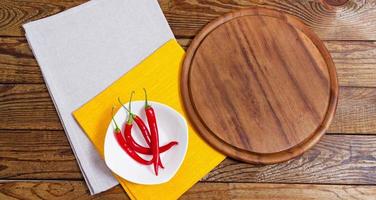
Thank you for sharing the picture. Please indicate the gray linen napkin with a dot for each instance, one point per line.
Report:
(83, 50)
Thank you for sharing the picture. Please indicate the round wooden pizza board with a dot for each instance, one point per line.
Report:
(259, 86)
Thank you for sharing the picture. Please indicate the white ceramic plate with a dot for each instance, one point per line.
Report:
(171, 126)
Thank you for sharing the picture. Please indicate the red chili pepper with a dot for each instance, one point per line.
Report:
(162, 149)
(152, 121)
(123, 144)
(141, 125)
(129, 123)
(145, 150)
(130, 151)
(145, 132)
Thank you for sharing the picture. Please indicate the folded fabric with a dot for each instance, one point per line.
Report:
(160, 74)
(83, 50)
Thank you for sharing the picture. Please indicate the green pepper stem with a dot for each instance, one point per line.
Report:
(130, 119)
(130, 114)
(130, 102)
(116, 126)
(122, 104)
(146, 98)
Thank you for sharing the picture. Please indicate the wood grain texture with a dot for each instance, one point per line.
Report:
(351, 103)
(335, 2)
(60, 190)
(14, 13)
(28, 106)
(270, 86)
(355, 62)
(279, 191)
(327, 162)
(17, 63)
(77, 190)
(354, 21)
(50, 157)
(336, 159)
(36, 155)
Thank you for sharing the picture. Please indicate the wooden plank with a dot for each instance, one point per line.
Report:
(354, 21)
(337, 159)
(77, 190)
(278, 191)
(356, 111)
(36, 154)
(28, 106)
(17, 12)
(54, 190)
(17, 63)
(355, 62)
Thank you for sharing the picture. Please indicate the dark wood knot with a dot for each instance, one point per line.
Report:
(335, 2)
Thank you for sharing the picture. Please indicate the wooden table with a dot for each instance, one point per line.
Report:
(36, 161)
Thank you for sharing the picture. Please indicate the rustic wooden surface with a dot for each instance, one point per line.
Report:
(36, 161)
(266, 90)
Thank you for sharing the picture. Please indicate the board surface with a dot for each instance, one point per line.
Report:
(37, 162)
(259, 86)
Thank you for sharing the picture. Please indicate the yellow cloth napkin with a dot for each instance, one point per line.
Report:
(160, 74)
